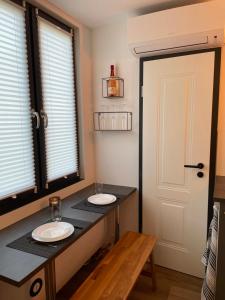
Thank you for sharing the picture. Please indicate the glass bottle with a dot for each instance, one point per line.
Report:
(112, 84)
(55, 207)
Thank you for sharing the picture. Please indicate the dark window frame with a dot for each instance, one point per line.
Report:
(34, 71)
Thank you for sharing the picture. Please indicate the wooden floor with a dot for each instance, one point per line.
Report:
(171, 285)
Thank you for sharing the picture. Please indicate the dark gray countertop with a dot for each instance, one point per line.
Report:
(16, 267)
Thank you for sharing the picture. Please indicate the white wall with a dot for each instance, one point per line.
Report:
(116, 152)
(220, 166)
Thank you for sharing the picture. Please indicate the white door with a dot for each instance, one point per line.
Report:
(177, 109)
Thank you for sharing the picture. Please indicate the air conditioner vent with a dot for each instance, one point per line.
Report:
(172, 45)
(179, 29)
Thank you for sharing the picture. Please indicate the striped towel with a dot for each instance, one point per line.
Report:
(209, 259)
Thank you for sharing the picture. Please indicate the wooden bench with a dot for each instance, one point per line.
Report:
(117, 273)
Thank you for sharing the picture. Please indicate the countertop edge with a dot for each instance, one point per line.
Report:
(46, 260)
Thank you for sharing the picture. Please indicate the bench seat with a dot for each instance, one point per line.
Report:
(117, 273)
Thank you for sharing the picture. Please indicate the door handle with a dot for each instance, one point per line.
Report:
(44, 116)
(198, 166)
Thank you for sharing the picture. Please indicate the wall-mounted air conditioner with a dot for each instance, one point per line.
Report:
(185, 28)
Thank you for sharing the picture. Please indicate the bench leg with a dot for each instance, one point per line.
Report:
(151, 272)
(154, 285)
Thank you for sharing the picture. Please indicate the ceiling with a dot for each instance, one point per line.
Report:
(95, 13)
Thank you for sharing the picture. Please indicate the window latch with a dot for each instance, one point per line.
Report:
(36, 116)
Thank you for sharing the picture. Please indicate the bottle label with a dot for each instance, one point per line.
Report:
(111, 91)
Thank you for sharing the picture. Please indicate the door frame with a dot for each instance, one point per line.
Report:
(214, 122)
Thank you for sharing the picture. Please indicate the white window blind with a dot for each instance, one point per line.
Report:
(56, 55)
(16, 149)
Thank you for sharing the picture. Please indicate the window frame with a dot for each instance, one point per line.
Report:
(34, 71)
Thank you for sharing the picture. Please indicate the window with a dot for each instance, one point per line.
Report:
(38, 115)
(57, 79)
(16, 151)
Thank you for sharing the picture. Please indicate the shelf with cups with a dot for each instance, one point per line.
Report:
(113, 121)
(112, 87)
